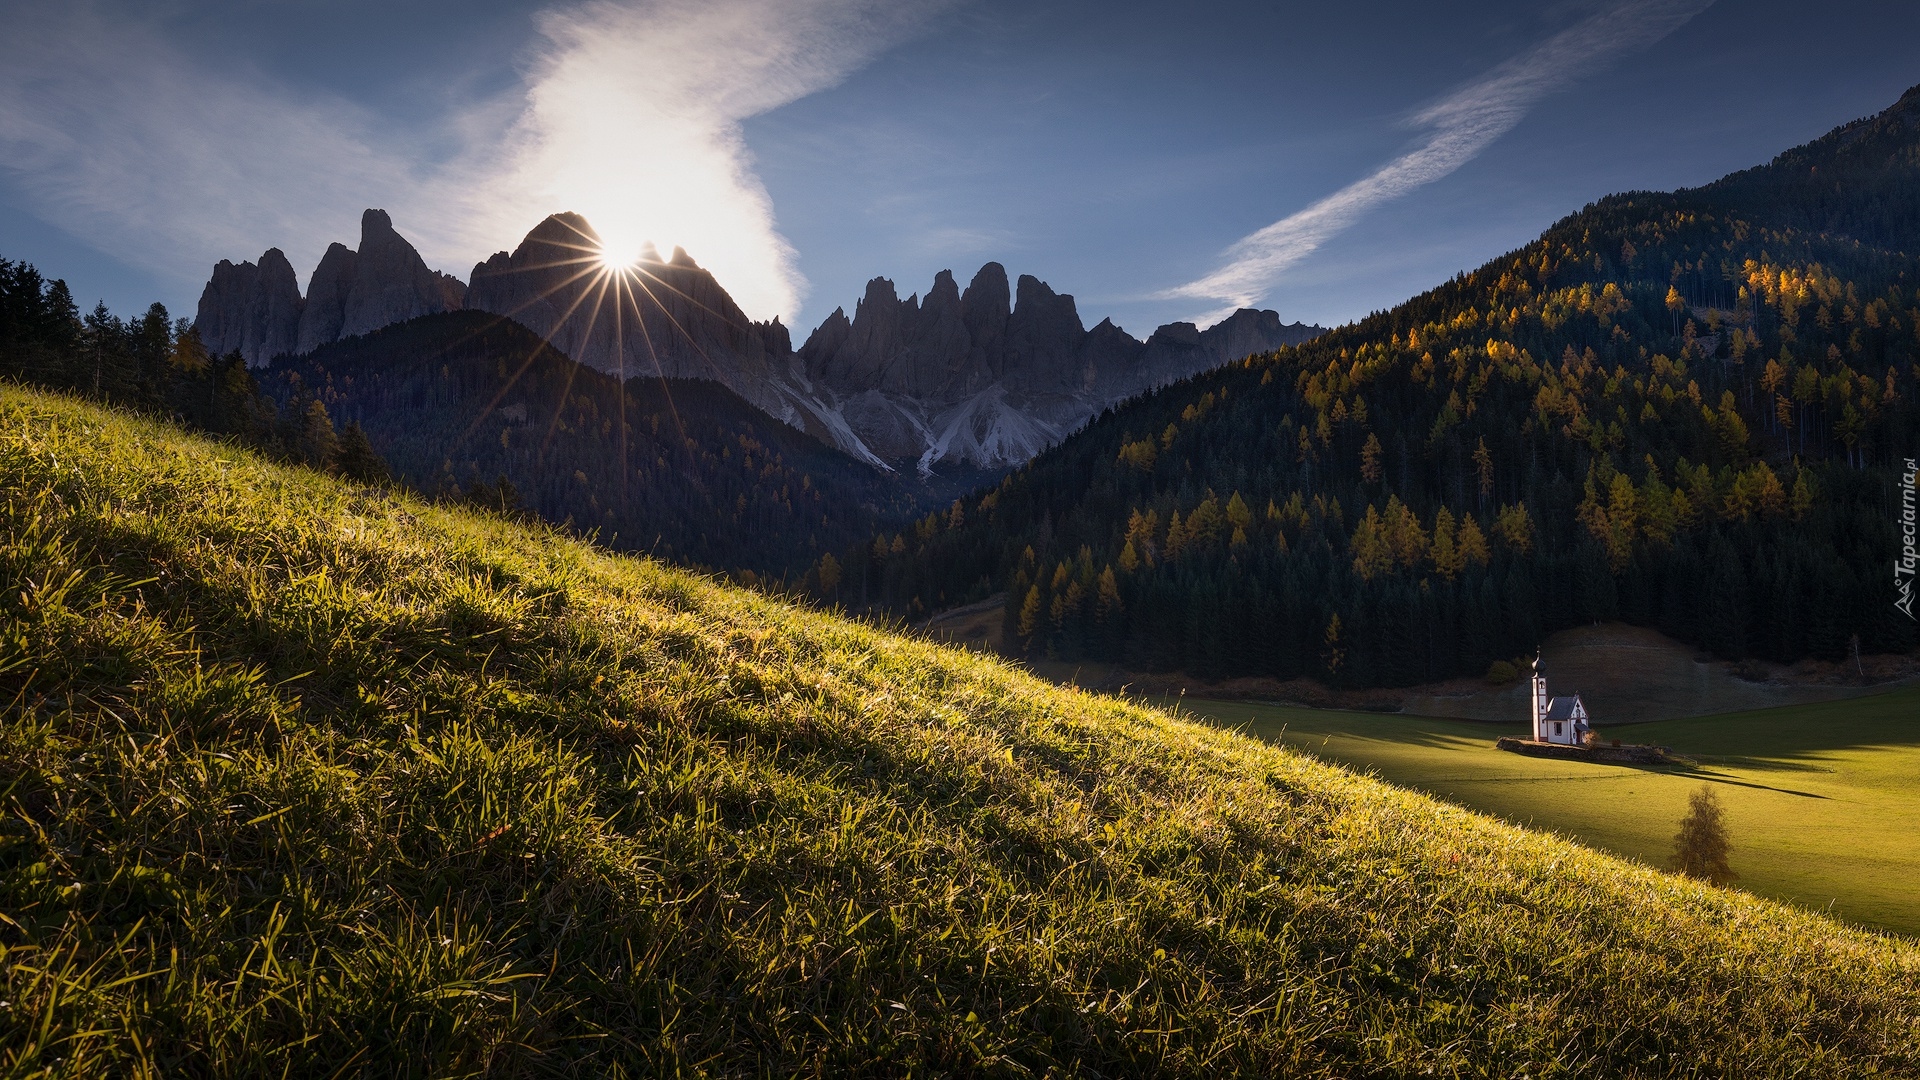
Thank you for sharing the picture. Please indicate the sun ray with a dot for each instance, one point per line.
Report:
(711, 365)
(653, 354)
(599, 294)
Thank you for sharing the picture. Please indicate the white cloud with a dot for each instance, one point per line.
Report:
(629, 112)
(633, 120)
(1462, 125)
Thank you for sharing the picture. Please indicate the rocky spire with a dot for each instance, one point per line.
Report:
(251, 309)
(391, 283)
(327, 293)
(384, 282)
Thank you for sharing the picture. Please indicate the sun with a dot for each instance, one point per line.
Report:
(613, 261)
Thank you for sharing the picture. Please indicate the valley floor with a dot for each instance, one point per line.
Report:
(1820, 799)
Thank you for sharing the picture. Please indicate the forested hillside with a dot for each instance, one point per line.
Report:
(156, 364)
(1683, 410)
(683, 468)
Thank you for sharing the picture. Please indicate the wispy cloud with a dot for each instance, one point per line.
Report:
(1460, 126)
(117, 137)
(634, 115)
(628, 111)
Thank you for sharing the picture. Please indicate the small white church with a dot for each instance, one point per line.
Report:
(1561, 720)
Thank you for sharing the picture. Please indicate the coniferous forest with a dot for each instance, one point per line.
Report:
(157, 365)
(1686, 411)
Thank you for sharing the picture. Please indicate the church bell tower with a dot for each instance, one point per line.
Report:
(1541, 702)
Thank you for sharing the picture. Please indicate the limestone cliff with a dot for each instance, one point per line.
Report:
(252, 309)
(258, 310)
(991, 379)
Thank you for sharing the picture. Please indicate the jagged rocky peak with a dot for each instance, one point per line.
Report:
(829, 336)
(1027, 340)
(327, 293)
(994, 373)
(259, 311)
(391, 283)
(252, 309)
(1246, 332)
(1043, 339)
(984, 309)
(950, 343)
(667, 318)
(384, 281)
(556, 251)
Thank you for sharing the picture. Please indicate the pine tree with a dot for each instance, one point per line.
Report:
(356, 458)
(1333, 654)
(1700, 848)
(1030, 616)
(1483, 465)
(1370, 459)
(1473, 542)
(1448, 558)
(318, 443)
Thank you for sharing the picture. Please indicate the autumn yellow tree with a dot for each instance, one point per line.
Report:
(1030, 615)
(1473, 542)
(1107, 603)
(1447, 557)
(1332, 652)
(1370, 459)
(1405, 535)
(1701, 847)
(1239, 519)
(1372, 555)
(1514, 526)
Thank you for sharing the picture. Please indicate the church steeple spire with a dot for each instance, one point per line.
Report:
(1541, 700)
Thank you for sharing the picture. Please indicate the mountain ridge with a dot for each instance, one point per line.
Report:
(984, 379)
(257, 310)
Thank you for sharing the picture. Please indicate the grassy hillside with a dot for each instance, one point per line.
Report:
(1819, 798)
(299, 778)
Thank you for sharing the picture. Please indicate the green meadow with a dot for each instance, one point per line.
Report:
(303, 779)
(1822, 801)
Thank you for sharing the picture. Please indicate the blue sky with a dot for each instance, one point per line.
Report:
(1123, 152)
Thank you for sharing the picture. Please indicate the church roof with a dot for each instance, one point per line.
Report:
(1561, 708)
